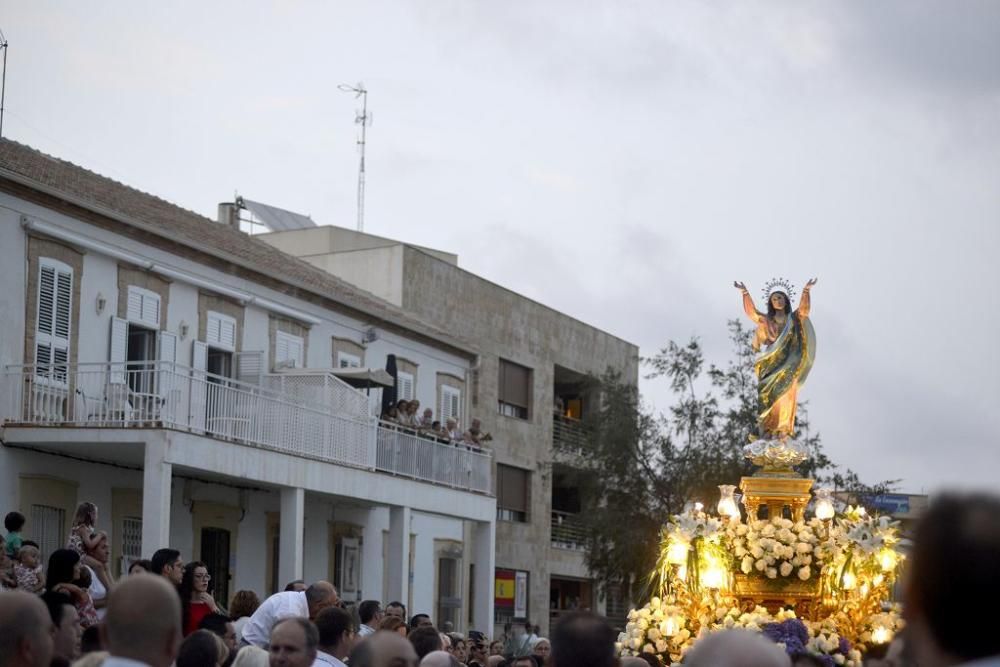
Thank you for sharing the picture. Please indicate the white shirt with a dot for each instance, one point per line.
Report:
(113, 661)
(983, 662)
(325, 660)
(282, 605)
(97, 592)
(365, 630)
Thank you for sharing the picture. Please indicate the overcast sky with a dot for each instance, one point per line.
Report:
(620, 161)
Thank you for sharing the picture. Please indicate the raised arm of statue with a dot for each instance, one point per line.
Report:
(804, 302)
(748, 304)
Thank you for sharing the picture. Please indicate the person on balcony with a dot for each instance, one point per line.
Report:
(451, 430)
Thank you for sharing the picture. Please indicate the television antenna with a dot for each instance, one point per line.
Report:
(364, 119)
(3, 81)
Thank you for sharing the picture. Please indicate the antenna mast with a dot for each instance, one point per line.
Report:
(3, 82)
(364, 119)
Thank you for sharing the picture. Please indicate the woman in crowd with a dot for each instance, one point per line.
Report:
(252, 656)
(202, 649)
(542, 650)
(196, 600)
(496, 647)
(63, 575)
(459, 648)
(394, 624)
(140, 566)
(241, 608)
(100, 554)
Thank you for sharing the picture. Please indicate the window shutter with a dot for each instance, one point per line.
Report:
(199, 356)
(451, 403)
(168, 347)
(250, 367)
(119, 350)
(220, 330)
(199, 390)
(346, 360)
(512, 488)
(515, 382)
(55, 307)
(288, 351)
(143, 307)
(405, 386)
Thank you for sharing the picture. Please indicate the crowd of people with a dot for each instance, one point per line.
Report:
(407, 416)
(162, 613)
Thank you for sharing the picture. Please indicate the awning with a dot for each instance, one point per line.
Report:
(364, 377)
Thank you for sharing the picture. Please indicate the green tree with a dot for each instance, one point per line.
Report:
(639, 468)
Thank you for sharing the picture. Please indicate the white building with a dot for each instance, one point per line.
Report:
(170, 369)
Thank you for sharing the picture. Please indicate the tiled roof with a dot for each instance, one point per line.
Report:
(158, 216)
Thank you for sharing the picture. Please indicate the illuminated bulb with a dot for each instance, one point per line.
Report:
(713, 576)
(698, 507)
(824, 505)
(677, 553)
(881, 635)
(862, 511)
(877, 580)
(682, 572)
(668, 627)
(849, 581)
(864, 590)
(887, 559)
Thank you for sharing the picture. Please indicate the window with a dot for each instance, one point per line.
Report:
(131, 545)
(143, 307)
(48, 528)
(451, 403)
(512, 493)
(514, 390)
(288, 351)
(220, 331)
(404, 386)
(55, 299)
(348, 360)
(449, 591)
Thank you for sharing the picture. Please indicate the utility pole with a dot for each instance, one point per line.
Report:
(364, 119)
(3, 82)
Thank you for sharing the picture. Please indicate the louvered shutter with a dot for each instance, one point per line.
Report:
(451, 403)
(118, 351)
(199, 385)
(220, 331)
(143, 307)
(250, 367)
(55, 308)
(404, 386)
(288, 351)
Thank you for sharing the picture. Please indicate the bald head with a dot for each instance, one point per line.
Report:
(26, 639)
(319, 596)
(384, 649)
(736, 648)
(144, 620)
(494, 661)
(439, 659)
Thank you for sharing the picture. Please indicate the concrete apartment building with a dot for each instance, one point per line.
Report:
(527, 388)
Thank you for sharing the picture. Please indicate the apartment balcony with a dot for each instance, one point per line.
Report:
(317, 418)
(568, 531)
(568, 434)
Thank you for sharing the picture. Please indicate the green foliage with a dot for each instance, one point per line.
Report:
(644, 468)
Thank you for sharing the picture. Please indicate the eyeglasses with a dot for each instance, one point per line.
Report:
(203, 577)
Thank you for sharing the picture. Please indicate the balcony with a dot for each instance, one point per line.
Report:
(568, 531)
(328, 427)
(568, 434)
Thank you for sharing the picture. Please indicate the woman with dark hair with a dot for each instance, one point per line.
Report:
(196, 601)
(140, 566)
(65, 574)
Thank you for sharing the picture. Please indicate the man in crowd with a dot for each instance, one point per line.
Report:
(370, 613)
(425, 640)
(66, 638)
(305, 604)
(293, 643)
(397, 609)
(953, 583)
(440, 659)
(143, 624)
(336, 637)
(583, 638)
(736, 648)
(168, 563)
(383, 649)
(298, 585)
(222, 626)
(26, 639)
(420, 621)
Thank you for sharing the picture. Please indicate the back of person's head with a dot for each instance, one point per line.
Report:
(215, 623)
(163, 557)
(417, 619)
(55, 603)
(383, 649)
(141, 564)
(92, 659)
(90, 640)
(391, 623)
(439, 659)
(425, 640)
(583, 638)
(13, 522)
(736, 648)
(201, 648)
(319, 596)
(143, 622)
(332, 624)
(244, 603)
(252, 656)
(368, 610)
(954, 576)
(296, 585)
(524, 661)
(27, 630)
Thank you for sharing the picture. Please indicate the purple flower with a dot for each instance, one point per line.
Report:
(845, 646)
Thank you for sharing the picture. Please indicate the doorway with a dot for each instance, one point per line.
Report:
(215, 543)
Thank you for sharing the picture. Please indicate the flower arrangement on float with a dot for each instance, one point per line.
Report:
(820, 585)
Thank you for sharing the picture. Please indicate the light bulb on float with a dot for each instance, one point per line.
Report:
(713, 575)
(887, 559)
(824, 505)
(881, 635)
(677, 552)
(849, 581)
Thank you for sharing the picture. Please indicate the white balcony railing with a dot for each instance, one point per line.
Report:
(167, 395)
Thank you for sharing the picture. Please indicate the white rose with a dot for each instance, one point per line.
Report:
(653, 634)
(747, 564)
(839, 658)
(740, 552)
(757, 551)
(786, 569)
(661, 646)
(649, 648)
(805, 573)
(772, 573)
(761, 565)
(741, 529)
(803, 548)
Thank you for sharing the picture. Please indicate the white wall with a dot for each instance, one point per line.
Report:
(13, 265)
